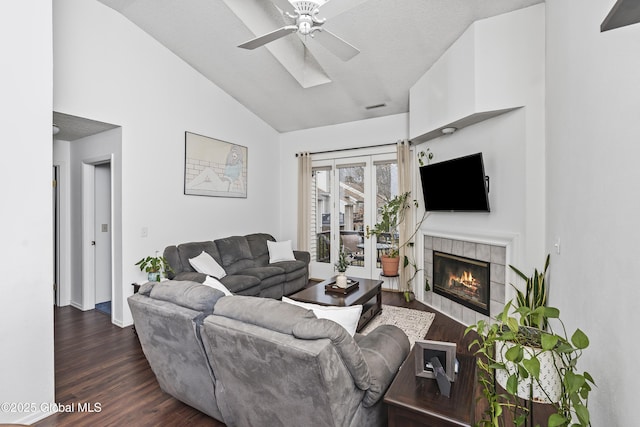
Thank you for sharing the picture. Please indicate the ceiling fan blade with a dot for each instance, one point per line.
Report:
(269, 37)
(335, 45)
(336, 7)
(284, 5)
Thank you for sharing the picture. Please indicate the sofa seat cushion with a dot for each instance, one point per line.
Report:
(192, 295)
(263, 273)
(290, 266)
(237, 283)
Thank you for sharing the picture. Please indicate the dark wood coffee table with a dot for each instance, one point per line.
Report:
(369, 294)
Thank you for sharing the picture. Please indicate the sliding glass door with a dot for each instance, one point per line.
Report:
(346, 195)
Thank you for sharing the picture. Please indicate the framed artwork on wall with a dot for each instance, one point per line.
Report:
(214, 168)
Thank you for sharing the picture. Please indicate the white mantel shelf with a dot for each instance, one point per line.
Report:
(461, 123)
(623, 13)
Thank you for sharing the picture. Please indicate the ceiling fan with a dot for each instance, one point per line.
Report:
(305, 21)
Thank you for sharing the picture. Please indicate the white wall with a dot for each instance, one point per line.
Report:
(107, 69)
(62, 159)
(383, 130)
(506, 55)
(26, 305)
(593, 188)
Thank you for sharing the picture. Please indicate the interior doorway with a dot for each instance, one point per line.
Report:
(56, 234)
(97, 241)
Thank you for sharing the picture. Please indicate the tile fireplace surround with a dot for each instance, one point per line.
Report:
(492, 253)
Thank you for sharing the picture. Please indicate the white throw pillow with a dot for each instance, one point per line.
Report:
(280, 251)
(205, 264)
(216, 284)
(347, 317)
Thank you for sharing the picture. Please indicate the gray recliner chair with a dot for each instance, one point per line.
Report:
(292, 369)
(167, 316)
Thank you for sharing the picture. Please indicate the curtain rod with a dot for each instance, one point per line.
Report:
(337, 150)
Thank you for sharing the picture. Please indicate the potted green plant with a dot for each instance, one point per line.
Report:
(392, 214)
(155, 267)
(512, 352)
(341, 267)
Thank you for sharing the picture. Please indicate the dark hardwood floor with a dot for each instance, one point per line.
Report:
(98, 364)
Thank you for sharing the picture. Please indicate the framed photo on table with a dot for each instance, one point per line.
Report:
(213, 167)
(444, 351)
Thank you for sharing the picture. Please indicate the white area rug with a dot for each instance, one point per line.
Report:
(414, 323)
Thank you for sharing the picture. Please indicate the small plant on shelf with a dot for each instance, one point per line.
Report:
(155, 267)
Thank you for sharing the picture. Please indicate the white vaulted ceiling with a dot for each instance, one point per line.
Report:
(398, 42)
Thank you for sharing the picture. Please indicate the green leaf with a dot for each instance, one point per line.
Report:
(580, 339)
(551, 313)
(512, 323)
(514, 354)
(548, 341)
(556, 420)
(512, 384)
(573, 381)
(533, 366)
(583, 414)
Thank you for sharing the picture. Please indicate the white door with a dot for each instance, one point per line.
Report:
(346, 195)
(102, 232)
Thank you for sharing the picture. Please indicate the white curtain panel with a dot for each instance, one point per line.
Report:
(407, 226)
(304, 200)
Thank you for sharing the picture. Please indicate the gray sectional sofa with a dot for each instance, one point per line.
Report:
(245, 260)
(250, 361)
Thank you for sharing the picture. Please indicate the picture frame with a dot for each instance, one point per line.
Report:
(444, 351)
(214, 168)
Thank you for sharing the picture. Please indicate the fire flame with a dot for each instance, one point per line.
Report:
(466, 279)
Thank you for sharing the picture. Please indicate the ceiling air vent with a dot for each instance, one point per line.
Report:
(371, 107)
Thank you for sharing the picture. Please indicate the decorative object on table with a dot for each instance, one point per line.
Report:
(444, 385)
(530, 362)
(341, 266)
(155, 267)
(214, 167)
(351, 285)
(444, 351)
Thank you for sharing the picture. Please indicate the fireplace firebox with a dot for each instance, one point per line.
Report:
(463, 280)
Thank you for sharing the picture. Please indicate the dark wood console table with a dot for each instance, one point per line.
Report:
(415, 401)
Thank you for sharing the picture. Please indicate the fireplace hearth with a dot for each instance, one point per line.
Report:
(463, 280)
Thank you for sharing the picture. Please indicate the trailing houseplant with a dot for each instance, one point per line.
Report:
(511, 351)
(155, 267)
(392, 214)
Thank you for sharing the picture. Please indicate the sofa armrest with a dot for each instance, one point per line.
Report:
(190, 276)
(302, 256)
(384, 349)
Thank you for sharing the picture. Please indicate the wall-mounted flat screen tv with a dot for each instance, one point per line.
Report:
(456, 185)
